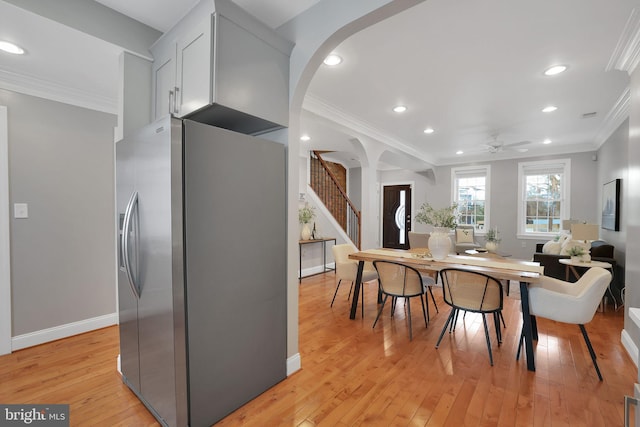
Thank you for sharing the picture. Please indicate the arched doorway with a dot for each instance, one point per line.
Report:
(315, 38)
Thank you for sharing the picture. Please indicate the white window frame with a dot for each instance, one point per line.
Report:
(474, 171)
(543, 166)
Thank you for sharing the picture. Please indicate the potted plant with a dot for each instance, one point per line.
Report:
(491, 239)
(305, 215)
(577, 253)
(446, 217)
(443, 220)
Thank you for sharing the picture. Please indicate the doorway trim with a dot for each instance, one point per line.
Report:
(5, 248)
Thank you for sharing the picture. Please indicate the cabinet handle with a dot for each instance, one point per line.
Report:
(171, 100)
(176, 102)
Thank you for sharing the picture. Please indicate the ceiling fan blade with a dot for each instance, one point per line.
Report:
(518, 144)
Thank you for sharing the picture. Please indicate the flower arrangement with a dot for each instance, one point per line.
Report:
(445, 217)
(576, 251)
(306, 214)
(492, 235)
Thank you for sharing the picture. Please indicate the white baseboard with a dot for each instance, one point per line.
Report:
(316, 270)
(63, 331)
(294, 363)
(630, 346)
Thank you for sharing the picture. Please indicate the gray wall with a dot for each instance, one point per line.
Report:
(436, 190)
(613, 164)
(631, 196)
(355, 186)
(63, 255)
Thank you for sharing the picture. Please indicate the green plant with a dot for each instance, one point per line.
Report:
(306, 214)
(444, 217)
(576, 251)
(492, 235)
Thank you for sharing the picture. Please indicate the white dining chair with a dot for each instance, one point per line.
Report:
(566, 302)
(347, 269)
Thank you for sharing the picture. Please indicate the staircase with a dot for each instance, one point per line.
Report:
(328, 188)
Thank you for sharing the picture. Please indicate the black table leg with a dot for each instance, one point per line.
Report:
(356, 291)
(527, 326)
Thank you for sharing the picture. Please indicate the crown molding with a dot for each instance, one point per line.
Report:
(626, 55)
(56, 92)
(614, 118)
(321, 108)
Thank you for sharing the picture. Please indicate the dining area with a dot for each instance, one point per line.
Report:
(357, 374)
(475, 284)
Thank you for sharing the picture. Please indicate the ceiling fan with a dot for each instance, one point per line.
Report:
(496, 145)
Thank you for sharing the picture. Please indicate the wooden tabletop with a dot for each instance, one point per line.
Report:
(500, 268)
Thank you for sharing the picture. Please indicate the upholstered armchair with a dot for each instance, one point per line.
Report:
(566, 302)
(465, 238)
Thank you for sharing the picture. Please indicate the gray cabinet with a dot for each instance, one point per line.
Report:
(219, 56)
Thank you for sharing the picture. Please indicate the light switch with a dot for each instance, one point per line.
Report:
(20, 210)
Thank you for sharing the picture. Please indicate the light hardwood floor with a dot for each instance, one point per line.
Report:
(355, 375)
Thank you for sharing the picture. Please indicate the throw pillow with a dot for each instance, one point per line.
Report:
(552, 248)
(464, 235)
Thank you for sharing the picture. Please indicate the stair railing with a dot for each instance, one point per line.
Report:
(326, 186)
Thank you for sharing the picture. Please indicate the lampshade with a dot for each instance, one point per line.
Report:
(585, 231)
(567, 223)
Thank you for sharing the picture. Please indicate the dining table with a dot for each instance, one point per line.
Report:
(524, 272)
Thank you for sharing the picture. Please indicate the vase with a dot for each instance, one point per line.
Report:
(305, 233)
(491, 246)
(439, 243)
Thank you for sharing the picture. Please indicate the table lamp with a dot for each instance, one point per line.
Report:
(567, 223)
(585, 232)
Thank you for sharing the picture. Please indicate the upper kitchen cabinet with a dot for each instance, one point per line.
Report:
(221, 66)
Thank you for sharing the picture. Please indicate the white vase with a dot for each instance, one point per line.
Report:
(305, 233)
(439, 243)
(491, 246)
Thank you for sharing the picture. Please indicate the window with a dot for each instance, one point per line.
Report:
(543, 195)
(471, 193)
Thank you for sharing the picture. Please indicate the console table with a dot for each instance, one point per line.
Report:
(322, 241)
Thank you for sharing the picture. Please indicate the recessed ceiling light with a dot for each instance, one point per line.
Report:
(332, 60)
(11, 48)
(549, 109)
(459, 152)
(556, 69)
(305, 138)
(399, 108)
(546, 141)
(429, 130)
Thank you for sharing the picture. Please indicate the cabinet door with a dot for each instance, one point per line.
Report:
(164, 80)
(194, 68)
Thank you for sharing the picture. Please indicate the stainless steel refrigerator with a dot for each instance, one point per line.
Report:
(201, 215)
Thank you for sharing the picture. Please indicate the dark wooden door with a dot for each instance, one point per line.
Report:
(396, 216)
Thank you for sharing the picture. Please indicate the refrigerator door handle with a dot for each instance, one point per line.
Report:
(126, 228)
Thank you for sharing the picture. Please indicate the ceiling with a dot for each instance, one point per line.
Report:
(472, 70)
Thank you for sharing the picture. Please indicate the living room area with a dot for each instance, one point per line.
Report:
(589, 171)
